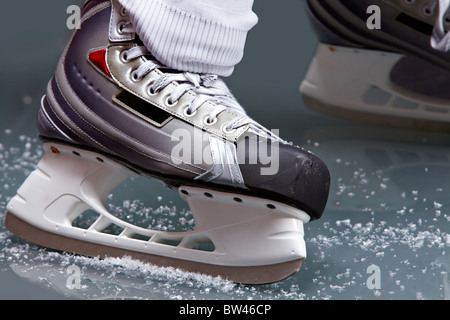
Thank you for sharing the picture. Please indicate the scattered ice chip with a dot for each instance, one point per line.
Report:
(437, 205)
(27, 100)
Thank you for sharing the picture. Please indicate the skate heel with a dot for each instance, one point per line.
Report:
(355, 84)
(240, 238)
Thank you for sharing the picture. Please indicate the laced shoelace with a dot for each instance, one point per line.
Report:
(206, 87)
(440, 39)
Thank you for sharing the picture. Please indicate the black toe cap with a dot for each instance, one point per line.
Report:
(295, 177)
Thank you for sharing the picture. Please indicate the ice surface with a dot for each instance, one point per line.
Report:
(372, 220)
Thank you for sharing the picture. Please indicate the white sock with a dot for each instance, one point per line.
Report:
(201, 36)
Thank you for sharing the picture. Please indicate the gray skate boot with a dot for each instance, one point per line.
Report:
(384, 62)
(112, 112)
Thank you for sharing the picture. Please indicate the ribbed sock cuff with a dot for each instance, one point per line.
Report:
(185, 41)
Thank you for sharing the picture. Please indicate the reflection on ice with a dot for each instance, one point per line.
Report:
(379, 170)
(110, 278)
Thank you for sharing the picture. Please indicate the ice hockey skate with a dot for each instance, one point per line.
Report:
(112, 112)
(382, 62)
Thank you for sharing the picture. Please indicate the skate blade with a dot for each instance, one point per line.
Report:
(254, 241)
(356, 85)
(257, 275)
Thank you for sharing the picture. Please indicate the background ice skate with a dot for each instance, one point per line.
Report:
(388, 203)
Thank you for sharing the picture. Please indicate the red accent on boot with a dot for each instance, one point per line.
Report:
(98, 58)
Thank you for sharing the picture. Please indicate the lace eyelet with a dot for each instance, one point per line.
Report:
(409, 2)
(120, 27)
(447, 20)
(134, 76)
(226, 130)
(170, 104)
(150, 90)
(188, 113)
(124, 56)
(207, 122)
(427, 11)
(123, 12)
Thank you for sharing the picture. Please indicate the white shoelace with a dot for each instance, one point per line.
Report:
(440, 39)
(206, 87)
